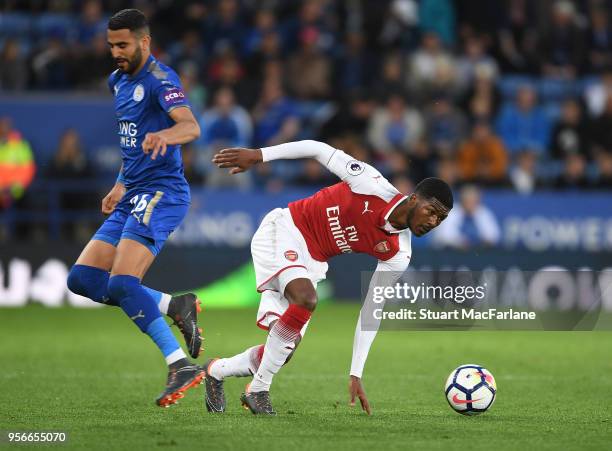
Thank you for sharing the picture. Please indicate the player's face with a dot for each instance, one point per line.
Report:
(126, 48)
(426, 215)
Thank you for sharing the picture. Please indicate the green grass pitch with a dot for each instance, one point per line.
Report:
(93, 374)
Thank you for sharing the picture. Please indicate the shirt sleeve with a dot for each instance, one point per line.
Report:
(386, 274)
(361, 177)
(170, 95)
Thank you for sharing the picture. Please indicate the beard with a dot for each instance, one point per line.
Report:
(134, 62)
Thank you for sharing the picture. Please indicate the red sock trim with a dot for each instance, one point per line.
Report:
(295, 317)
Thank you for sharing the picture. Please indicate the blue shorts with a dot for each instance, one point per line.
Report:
(148, 217)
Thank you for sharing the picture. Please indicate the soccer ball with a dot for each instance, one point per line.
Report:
(470, 389)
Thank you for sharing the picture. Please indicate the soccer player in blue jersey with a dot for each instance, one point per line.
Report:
(148, 201)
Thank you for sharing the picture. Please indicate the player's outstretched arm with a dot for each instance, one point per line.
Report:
(385, 274)
(239, 159)
(185, 130)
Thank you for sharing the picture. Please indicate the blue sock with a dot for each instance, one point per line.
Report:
(141, 308)
(92, 283)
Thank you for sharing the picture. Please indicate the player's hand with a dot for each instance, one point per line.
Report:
(111, 200)
(155, 143)
(356, 390)
(237, 159)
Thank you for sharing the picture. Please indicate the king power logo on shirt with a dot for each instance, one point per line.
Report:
(127, 134)
(339, 233)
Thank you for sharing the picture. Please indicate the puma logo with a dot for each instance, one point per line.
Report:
(365, 210)
(138, 315)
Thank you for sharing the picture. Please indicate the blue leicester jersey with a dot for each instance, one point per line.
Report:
(142, 104)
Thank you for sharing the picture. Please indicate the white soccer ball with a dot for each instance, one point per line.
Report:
(470, 389)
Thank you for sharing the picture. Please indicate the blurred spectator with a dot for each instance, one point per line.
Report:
(600, 40)
(562, 48)
(92, 22)
(523, 173)
(17, 166)
(431, 67)
(601, 129)
(224, 28)
(482, 98)
(403, 184)
(446, 169)
(474, 58)
(574, 173)
(445, 124)
(596, 95)
(195, 91)
(569, 134)
(354, 67)
(13, 67)
(482, 158)
(309, 70)
(400, 26)
(90, 69)
(395, 127)
(188, 49)
(604, 171)
(225, 124)
(524, 124)
(70, 164)
(469, 224)
(314, 174)
(264, 25)
(269, 49)
(518, 37)
(275, 115)
(193, 176)
(438, 16)
(50, 64)
(391, 78)
(351, 117)
(225, 69)
(310, 15)
(420, 161)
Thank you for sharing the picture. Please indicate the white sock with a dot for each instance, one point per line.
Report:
(240, 365)
(164, 303)
(175, 356)
(280, 343)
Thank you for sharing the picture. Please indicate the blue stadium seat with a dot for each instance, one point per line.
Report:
(551, 90)
(54, 24)
(16, 25)
(510, 84)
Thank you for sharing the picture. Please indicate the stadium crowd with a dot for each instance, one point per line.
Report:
(512, 93)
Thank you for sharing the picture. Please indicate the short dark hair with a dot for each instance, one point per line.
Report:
(433, 187)
(132, 19)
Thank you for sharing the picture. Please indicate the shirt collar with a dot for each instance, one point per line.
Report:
(392, 205)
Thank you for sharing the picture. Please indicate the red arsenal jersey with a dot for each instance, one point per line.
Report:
(351, 216)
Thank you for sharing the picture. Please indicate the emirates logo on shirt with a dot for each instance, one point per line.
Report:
(382, 247)
(291, 255)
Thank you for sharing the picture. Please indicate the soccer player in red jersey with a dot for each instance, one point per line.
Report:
(363, 213)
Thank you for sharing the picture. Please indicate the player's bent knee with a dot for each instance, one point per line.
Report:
(118, 288)
(88, 281)
(75, 283)
(306, 299)
(301, 292)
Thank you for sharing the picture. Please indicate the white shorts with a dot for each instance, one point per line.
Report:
(280, 255)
